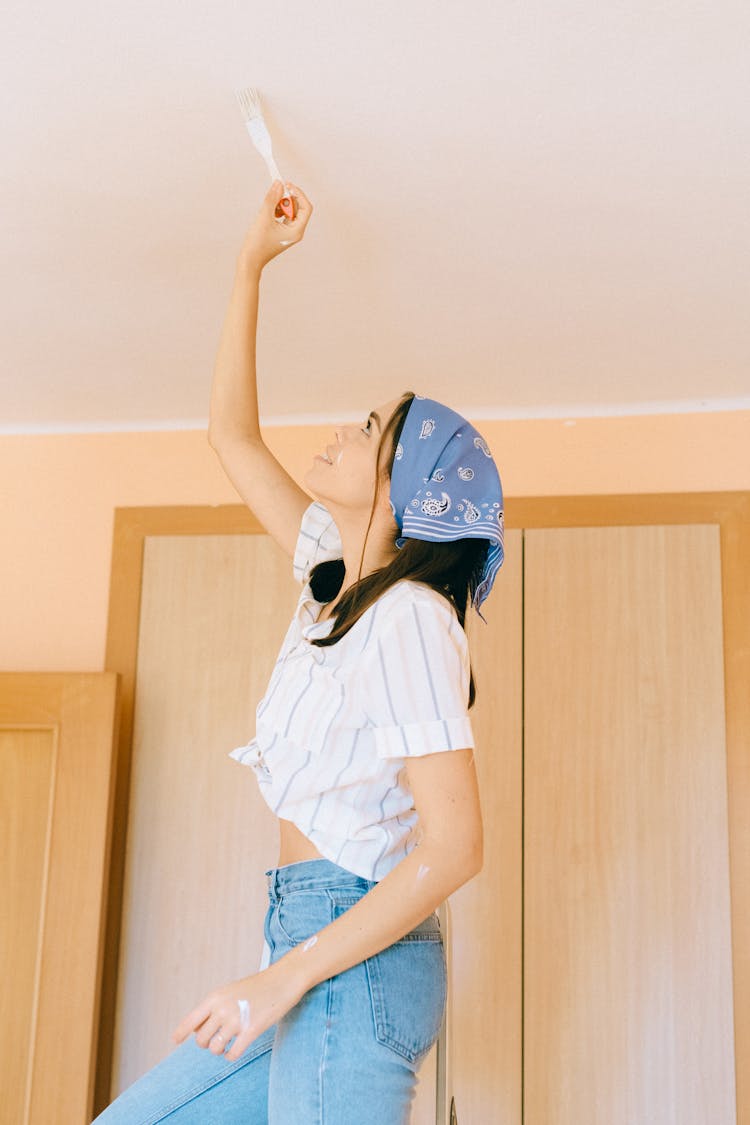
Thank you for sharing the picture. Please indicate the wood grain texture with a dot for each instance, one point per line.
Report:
(56, 763)
(214, 610)
(484, 1017)
(28, 758)
(131, 527)
(728, 511)
(628, 1010)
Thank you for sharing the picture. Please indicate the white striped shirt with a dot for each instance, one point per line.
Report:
(338, 724)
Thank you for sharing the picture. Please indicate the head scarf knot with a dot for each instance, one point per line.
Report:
(445, 485)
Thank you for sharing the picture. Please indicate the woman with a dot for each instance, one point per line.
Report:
(378, 822)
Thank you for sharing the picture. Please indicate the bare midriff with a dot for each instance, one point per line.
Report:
(294, 846)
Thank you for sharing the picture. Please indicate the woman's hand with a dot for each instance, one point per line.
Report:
(245, 1008)
(272, 233)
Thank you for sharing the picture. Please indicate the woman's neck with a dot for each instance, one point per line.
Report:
(379, 543)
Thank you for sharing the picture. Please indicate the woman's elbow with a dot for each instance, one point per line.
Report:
(475, 861)
(471, 850)
(458, 846)
(463, 859)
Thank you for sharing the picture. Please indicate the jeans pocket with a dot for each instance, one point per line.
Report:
(300, 914)
(407, 983)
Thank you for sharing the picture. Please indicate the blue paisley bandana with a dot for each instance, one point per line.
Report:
(445, 485)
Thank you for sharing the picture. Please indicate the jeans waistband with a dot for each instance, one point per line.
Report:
(312, 875)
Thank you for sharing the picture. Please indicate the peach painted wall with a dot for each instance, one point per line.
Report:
(60, 491)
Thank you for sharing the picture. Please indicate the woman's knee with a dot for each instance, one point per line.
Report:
(191, 1086)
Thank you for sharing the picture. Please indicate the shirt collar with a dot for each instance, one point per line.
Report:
(307, 613)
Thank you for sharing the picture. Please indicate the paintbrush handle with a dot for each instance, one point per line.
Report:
(286, 203)
(250, 105)
(273, 168)
(289, 206)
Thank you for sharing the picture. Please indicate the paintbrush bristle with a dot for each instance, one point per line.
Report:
(249, 101)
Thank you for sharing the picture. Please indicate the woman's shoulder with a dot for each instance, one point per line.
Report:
(412, 618)
(407, 596)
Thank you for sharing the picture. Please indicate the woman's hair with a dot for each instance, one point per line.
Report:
(451, 568)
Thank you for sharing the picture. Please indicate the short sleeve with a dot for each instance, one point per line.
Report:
(318, 541)
(417, 684)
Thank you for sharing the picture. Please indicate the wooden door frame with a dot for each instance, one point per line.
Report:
(729, 510)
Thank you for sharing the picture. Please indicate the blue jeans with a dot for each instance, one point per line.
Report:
(347, 1054)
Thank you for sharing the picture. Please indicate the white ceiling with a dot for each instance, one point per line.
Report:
(520, 208)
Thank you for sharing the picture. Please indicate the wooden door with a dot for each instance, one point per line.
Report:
(199, 835)
(56, 787)
(484, 1006)
(628, 1007)
(599, 1002)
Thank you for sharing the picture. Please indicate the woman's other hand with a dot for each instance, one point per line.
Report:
(245, 1009)
(272, 233)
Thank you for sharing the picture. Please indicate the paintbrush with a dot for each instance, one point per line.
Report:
(249, 101)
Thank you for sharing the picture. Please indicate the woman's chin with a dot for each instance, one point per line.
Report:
(310, 476)
(311, 481)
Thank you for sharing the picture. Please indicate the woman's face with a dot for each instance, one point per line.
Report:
(346, 471)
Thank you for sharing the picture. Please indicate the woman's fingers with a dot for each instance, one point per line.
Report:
(241, 1043)
(304, 205)
(241, 1011)
(274, 193)
(272, 232)
(294, 229)
(220, 1027)
(204, 1036)
(303, 211)
(286, 190)
(192, 1020)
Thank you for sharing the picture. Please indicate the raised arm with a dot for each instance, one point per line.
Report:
(274, 498)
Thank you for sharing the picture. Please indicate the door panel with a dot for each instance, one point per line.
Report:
(484, 1016)
(57, 770)
(627, 939)
(214, 610)
(607, 957)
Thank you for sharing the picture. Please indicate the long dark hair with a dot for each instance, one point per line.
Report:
(451, 568)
